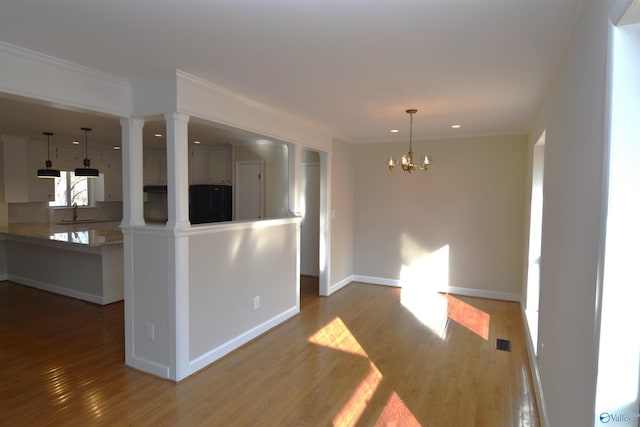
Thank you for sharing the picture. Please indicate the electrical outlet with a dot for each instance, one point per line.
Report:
(150, 330)
(256, 302)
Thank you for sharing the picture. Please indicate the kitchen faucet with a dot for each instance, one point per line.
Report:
(75, 211)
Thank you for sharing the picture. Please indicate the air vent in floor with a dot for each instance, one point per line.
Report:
(504, 345)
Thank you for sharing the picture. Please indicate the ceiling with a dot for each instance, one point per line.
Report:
(353, 66)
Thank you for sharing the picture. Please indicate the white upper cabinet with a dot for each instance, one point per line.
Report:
(39, 189)
(15, 168)
(198, 165)
(210, 164)
(220, 165)
(111, 167)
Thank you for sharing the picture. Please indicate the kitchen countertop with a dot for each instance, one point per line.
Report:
(85, 233)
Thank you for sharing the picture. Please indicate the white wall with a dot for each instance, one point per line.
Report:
(469, 203)
(230, 265)
(574, 114)
(343, 191)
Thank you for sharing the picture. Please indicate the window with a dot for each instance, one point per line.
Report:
(71, 189)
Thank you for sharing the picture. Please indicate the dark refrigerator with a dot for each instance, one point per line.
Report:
(209, 203)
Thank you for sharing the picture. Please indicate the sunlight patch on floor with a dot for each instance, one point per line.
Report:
(353, 409)
(335, 335)
(475, 320)
(420, 281)
(396, 413)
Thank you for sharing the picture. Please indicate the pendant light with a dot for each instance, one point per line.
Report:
(406, 161)
(48, 172)
(87, 170)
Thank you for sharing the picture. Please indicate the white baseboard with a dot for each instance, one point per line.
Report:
(226, 348)
(49, 287)
(341, 284)
(480, 293)
(149, 366)
(535, 371)
(3, 277)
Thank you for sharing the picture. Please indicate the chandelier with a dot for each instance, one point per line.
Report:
(406, 161)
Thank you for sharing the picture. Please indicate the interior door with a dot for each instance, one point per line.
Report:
(249, 190)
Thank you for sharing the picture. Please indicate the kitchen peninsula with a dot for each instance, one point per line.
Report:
(82, 260)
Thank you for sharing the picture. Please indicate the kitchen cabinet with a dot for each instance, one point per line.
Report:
(221, 165)
(210, 165)
(111, 167)
(113, 186)
(198, 165)
(15, 169)
(71, 157)
(155, 168)
(39, 189)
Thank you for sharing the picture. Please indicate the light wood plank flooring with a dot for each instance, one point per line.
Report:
(357, 358)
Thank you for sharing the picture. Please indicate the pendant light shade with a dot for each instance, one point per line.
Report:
(87, 170)
(48, 172)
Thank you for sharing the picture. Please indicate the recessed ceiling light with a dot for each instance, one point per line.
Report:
(116, 147)
(196, 142)
(159, 135)
(456, 126)
(75, 142)
(394, 131)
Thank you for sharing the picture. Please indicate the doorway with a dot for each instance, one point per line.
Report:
(310, 224)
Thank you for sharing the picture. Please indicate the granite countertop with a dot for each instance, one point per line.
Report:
(86, 233)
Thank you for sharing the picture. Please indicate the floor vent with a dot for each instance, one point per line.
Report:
(504, 345)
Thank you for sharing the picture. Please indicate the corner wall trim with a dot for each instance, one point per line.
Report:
(480, 293)
(226, 348)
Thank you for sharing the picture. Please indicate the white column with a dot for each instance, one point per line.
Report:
(178, 212)
(177, 170)
(132, 178)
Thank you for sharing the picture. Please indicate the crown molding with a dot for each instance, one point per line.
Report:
(33, 55)
(30, 74)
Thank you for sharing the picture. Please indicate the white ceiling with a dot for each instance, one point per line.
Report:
(353, 66)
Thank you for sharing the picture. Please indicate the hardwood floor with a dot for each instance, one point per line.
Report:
(359, 357)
